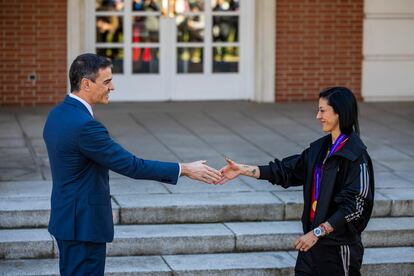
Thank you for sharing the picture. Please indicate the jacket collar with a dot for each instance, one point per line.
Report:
(76, 103)
(351, 150)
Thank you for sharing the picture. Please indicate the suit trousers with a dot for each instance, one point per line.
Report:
(329, 260)
(81, 258)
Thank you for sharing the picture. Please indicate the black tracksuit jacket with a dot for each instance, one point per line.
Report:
(346, 192)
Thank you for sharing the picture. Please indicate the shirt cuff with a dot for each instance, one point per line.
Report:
(265, 172)
(179, 169)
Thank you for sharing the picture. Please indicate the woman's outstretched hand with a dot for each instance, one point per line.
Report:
(230, 171)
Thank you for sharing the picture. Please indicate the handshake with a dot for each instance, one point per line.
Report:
(198, 170)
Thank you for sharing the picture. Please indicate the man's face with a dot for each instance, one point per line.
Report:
(101, 87)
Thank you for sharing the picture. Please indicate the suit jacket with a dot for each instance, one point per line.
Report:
(80, 154)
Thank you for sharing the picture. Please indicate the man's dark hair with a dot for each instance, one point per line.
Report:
(86, 66)
(345, 105)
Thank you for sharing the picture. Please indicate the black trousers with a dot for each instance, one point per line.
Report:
(81, 258)
(330, 260)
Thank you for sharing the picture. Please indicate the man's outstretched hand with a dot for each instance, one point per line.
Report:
(198, 170)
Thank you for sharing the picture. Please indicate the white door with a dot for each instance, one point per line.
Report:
(175, 49)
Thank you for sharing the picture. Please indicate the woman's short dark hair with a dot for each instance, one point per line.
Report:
(86, 66)
(345, 105)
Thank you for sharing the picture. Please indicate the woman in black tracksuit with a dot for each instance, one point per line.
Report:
(338, 188)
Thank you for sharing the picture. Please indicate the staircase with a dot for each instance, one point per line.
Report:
(242, 228)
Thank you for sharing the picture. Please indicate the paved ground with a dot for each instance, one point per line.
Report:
(229, 224)
(247, 132)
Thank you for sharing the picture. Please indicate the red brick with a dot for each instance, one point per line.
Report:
(318, 44)
(32, 39)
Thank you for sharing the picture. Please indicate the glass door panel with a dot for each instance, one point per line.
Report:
(226, 59)
(145, 57)
(109, 32)
(145, 5)
(174, 49)
(145, 60)
(105, 5)
(225, 5)
(190, 36)
(225, 35)
(189, 60)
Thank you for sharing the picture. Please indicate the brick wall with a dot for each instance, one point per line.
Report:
(318, 44)
(33, 40)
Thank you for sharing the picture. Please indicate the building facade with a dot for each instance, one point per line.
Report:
(261, 50)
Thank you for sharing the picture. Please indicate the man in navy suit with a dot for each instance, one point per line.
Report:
(81, 152)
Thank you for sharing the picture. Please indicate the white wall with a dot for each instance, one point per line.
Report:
(388, 64)
(265, 47)
(75, 31)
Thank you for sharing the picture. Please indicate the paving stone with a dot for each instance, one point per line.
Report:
(31, 212)
(264, 185)
(171, 239)
(207, 207)
(187, 185)
(269, 263)
(16, 158)
(25, 243)
(293, 201)
(294, 204)
(19, 174)
(382, 205)
(399, 165)
(24, 212)
(377, 261)
(402, 201)
(40, 151)
(128, 186)
(12, 142)
(386, 232)
(9, 128)
(25, 188)
(137, 265)
(388, 261)
(385, 153)
(409, 176)
(43, 267)
(32, 124)
(379, 167)
(258, 236)
(143, 266)
(391, 180)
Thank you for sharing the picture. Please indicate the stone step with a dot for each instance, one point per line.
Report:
(377, 261)
(29, 212)
(162, 239)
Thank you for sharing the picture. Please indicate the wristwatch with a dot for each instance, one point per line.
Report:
(319, 232)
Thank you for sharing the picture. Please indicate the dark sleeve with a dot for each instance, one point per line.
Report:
(288, 172)
(357, 194)
(96, 144)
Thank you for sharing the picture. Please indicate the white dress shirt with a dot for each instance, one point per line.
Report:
(88, 106)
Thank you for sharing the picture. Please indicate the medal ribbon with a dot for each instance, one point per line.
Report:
(339, 143)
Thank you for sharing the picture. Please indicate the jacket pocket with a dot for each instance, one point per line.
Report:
(99, 199)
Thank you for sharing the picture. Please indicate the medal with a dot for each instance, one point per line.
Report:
(314, 205)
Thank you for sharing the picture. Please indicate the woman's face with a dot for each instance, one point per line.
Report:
(327, 116)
